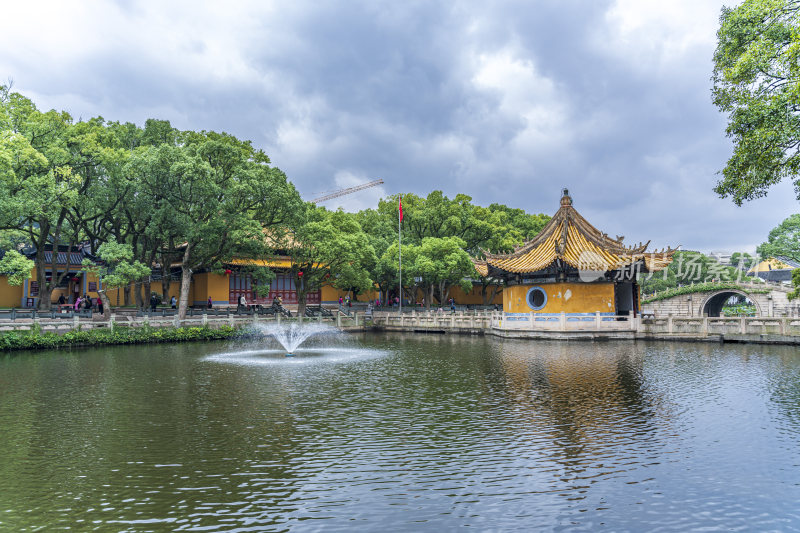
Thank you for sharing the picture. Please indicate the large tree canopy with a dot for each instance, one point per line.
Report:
(757, 83)
(783, 241)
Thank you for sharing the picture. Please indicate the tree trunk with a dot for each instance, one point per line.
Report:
(44, 288)
(126, 293)
(488, 297)
(137, 293)
(186, 281)
(165, 284)
(106, 304)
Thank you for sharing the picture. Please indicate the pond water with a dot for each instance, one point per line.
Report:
(404, 433)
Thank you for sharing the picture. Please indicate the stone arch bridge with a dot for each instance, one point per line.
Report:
(770, 301)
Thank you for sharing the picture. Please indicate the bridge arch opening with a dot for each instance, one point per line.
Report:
(715, 303)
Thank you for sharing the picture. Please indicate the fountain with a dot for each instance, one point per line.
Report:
(292, 335)
(299, 344)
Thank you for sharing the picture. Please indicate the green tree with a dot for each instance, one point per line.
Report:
(221, 195)
(327, 247)
(16, 267)
(438, 264)
(688, 267)
(783, 240)
(118, 270)
(742, 261)
(757, 83)
(44, 186)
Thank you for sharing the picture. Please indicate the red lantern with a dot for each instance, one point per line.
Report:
(300, 274)
(76, 279)
(228, 271)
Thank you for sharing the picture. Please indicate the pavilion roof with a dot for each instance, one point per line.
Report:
(572, 239)
(481, 267)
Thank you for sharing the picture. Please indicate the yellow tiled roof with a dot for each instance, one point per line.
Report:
(767, 265)
(481, 267)
(278, 262)
(570, 238)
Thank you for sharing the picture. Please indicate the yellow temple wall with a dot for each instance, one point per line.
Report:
(10, 295)
(563, 297)
(208, 284)
(330, 294)
(474, 296)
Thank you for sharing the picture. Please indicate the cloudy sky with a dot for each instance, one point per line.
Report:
(505, 101)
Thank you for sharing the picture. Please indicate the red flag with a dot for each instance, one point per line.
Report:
(400, 206)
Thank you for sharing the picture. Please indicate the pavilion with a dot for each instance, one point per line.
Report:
(573, 268)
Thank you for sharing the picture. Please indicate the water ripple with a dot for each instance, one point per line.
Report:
(402, 433)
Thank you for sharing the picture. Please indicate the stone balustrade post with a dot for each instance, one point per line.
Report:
(597, 320)
(743, 325)
(563, 321)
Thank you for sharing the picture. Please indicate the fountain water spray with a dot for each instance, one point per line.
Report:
(292, 335)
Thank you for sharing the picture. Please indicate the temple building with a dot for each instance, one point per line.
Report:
(571, 267)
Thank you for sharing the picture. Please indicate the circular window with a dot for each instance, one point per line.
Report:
(536, 298)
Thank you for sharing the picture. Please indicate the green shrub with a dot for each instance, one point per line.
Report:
(37, 339)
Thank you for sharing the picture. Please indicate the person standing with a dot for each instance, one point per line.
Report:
(153, 302)
(78, 302)
(173, 302)
(242, 303)
(210, 303)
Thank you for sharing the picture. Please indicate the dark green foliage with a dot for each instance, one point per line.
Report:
(689, 267)
(783, 240)
(37, 339)
(756, 73)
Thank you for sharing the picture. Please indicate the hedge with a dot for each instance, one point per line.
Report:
(37, 339)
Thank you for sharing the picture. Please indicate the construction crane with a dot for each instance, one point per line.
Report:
(349, 190)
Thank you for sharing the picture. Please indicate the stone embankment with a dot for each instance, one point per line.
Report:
(782, 330)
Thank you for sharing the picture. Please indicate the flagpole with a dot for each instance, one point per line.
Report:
(400, 250)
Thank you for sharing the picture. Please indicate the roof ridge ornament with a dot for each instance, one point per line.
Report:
(566, 199)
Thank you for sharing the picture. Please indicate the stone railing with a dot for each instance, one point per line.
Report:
(433, 320)
(563, 322)
(726, 326)
(213, 320)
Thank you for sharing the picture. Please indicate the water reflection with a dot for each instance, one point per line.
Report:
(404, 433)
